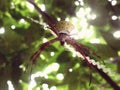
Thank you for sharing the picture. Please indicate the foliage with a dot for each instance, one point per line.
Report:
(57, 68)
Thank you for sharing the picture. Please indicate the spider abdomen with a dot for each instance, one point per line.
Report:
(64, 26)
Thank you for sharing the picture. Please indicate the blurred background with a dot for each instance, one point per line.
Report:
(23, 30)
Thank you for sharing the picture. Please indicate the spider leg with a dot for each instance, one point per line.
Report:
(80, 49)
(48, 19)
(86, 50)
(90, 67)
(89, 52)
(34, 57)
(89, 64)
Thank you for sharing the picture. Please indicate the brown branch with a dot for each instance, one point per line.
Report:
(107, 78)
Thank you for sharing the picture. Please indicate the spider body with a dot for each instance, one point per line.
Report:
(64, 27)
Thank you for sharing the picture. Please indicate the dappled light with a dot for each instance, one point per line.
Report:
(114, 17)
(13, 27)
(114, 2)
(51, 68)
(30, 7)
(42, 6)
(45, 40)
(2, 30)
(60, 76)
(10, 85)
(117, 34)
(119, 53)
(95, 40)
(52, 54)
(53, 88)
(79, 2)
(70, 70)
(22, 20)
(85, 54)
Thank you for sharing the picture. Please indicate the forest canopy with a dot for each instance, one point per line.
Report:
(23, 30)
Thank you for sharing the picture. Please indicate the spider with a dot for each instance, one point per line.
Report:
(62, 30)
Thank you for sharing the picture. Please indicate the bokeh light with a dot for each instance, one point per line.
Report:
(114, 17)
(21, 20)
(52, 68)
(2, 30)
(60, 76)
(13, 27)
(116, 34)
(42, 6)
(52, 53)
(10, 85)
